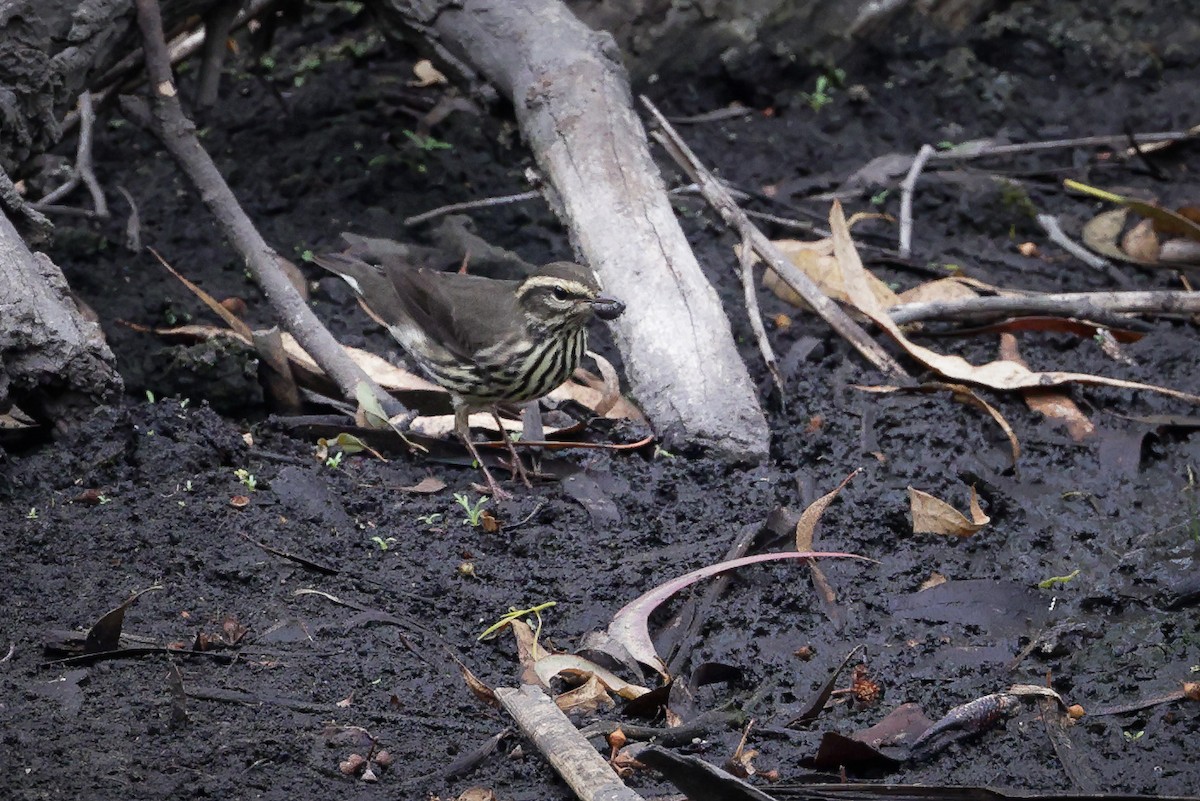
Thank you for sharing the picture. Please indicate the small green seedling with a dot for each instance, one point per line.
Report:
(427, 143)
(474, 510)
(335, 460)
(662, 453)
(1057, 581)
(383, 543)
(33, 515)
(430, 519)
(1133, 736)
(247, 478)
(517, 614)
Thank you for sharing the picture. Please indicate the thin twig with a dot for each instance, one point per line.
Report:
(83, 155)
(1070, 304)
(179, 48)
(133, 226)
(907, 187)
(970, 151)
(177, 134)
(217, 24)
(718, 197)
(750, 298)
(471, 204)
(1059, 237)
(82, 171)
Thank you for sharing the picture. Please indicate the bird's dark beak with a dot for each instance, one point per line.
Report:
(607, 308)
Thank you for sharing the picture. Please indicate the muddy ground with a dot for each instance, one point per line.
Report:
(315, 145)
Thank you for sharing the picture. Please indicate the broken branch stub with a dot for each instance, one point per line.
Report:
(573, 105)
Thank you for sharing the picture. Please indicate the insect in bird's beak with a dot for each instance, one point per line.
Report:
(607, 308)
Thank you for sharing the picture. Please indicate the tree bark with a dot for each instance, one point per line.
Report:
(573, 105)
(53, 363)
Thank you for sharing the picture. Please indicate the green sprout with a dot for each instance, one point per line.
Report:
(384, 544)
(662, 453)
(32, 515)
(335, 460)
(149, 396)
(1056, 581)
(247, 478)
(430, 519)
(1133, 736)
(427, 143)
(822, 93)
(474, 510)
(517, 614)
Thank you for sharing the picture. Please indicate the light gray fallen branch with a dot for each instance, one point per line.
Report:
(567, 750)
(907, 187)
(1069, 304)
(718, 197)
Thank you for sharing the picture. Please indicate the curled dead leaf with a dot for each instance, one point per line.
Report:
(931, 515)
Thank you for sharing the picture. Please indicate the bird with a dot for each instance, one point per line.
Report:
(485, 341)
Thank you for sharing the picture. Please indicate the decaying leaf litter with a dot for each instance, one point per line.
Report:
(943, 648)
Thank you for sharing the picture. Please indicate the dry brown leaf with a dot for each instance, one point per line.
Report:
(1102, 233)
(932, 515)
(427, 74)
(1141, 242)
(426, 486)
(478, 794)
(1051, 403)
(807, 524)
(941, 289)
(1000, 374)
(1165, 220)
(935, 579)
(573, 665)
(815, 259)
(528, 651)
(586, 699)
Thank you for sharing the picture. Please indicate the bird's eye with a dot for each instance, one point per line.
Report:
(560, 293)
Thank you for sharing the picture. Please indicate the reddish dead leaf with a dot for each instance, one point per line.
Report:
(1051, 403)
(478, 688)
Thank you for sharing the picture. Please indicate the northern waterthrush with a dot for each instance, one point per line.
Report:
(486, 341)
